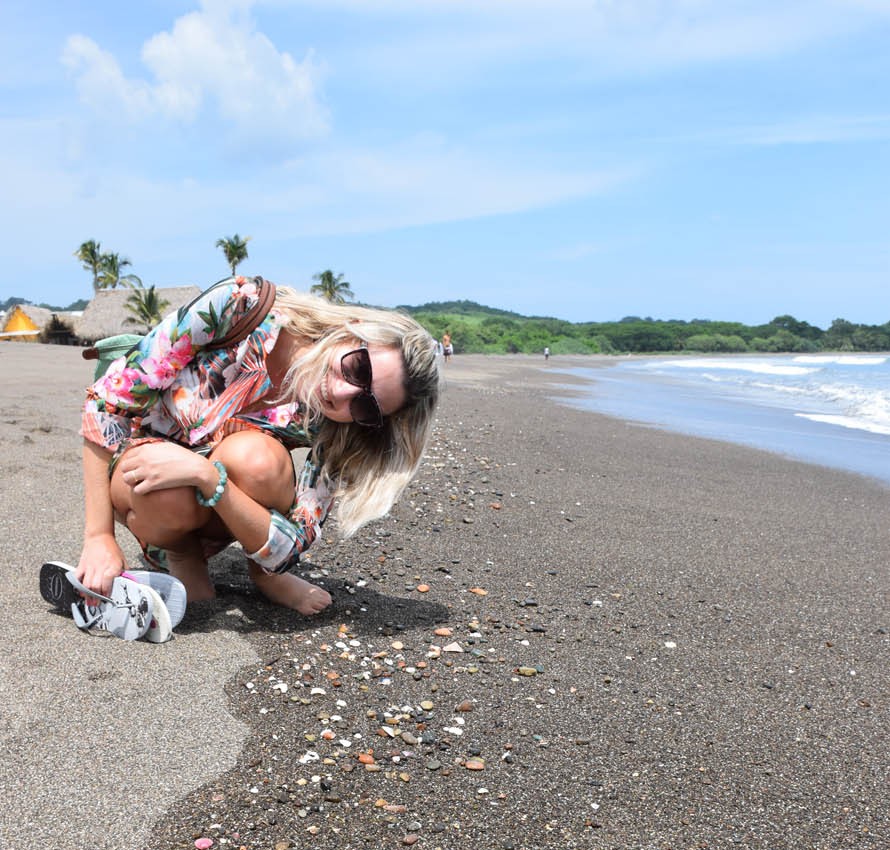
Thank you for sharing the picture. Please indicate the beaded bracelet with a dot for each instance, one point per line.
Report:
(218, 491)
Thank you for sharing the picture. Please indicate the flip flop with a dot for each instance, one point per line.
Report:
(55, 588)
(126, 614)
(160, 629)
(58, 591)
(168, 587)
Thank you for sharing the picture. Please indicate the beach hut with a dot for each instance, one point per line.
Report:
(107, 314)
(24, 322)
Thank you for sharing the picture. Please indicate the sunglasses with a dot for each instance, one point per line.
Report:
(355, 367)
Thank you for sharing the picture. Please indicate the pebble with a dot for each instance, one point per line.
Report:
(204, 843)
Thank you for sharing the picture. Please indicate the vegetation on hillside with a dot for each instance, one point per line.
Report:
(478, 329)
(475, 328)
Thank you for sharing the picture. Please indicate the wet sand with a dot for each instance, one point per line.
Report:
(573, 631)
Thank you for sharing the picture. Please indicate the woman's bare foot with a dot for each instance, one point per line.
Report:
(190, 567)
(290, 591)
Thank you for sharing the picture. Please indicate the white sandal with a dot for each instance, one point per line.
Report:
(127, 613)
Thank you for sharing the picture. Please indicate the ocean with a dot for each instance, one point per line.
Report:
(833, 410)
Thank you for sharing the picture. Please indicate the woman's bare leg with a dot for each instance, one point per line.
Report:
(290, 591)
(170, 519)
(263, 468)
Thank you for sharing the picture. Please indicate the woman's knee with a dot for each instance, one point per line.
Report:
(259, 465)
(172, 512)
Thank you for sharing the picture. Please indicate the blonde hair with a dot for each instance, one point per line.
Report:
(367, 468)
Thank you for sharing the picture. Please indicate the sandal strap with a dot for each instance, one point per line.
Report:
(85, 590)
(80, 620)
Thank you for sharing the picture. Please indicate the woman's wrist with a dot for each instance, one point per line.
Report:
(211, 491)
(98, 534)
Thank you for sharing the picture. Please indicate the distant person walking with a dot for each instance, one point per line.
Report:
(447, 347)
(546, 352)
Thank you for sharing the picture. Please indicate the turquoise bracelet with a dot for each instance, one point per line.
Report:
(217, 493)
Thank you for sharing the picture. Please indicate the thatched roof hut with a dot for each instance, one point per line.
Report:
(107, 313)
(24, 322)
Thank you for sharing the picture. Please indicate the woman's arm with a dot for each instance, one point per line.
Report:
(165, 466)
(102, 559)
(292, 532)
(273, 534)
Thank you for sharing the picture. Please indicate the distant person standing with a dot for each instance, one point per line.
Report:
(546, 352)
(447, 347)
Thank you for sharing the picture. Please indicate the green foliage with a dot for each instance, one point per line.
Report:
(111, 273)
(90, 255)
(234, 248)
(146, 308)
(332, 287)
(478, 329)
(10, 302)
(715, 342)
(106, 267)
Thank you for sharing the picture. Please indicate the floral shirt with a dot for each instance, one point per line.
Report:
(176, 385)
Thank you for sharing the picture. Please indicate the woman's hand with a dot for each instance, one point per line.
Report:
(101, 562)
(161, 466)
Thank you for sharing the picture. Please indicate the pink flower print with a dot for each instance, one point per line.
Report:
(278, 417)
(160, 371)
(247, 289)
(181, 351)
(119, 386)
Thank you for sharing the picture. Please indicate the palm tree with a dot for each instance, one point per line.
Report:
(235, 249)
(335, 289)
(110, 277)
(146, 307)
(90, 256)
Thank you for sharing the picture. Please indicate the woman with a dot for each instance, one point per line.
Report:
(189, 445)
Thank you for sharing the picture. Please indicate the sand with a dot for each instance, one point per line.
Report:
(664, 642)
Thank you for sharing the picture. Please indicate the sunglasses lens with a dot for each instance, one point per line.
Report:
(365, 411)
(356, 368)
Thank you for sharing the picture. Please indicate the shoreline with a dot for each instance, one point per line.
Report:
(681, 409)
(665, 640)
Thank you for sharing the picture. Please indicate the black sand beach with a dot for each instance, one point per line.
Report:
(572, 632)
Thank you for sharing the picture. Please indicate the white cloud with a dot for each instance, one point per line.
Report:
(100, 82)
(578, 251)
(799, 130)
(425, 181)
(602, 36)
(820, 129)
(213, 58)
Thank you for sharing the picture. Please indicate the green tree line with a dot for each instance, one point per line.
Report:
(487, 331)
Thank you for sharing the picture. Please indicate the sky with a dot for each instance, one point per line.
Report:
(583, 159)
